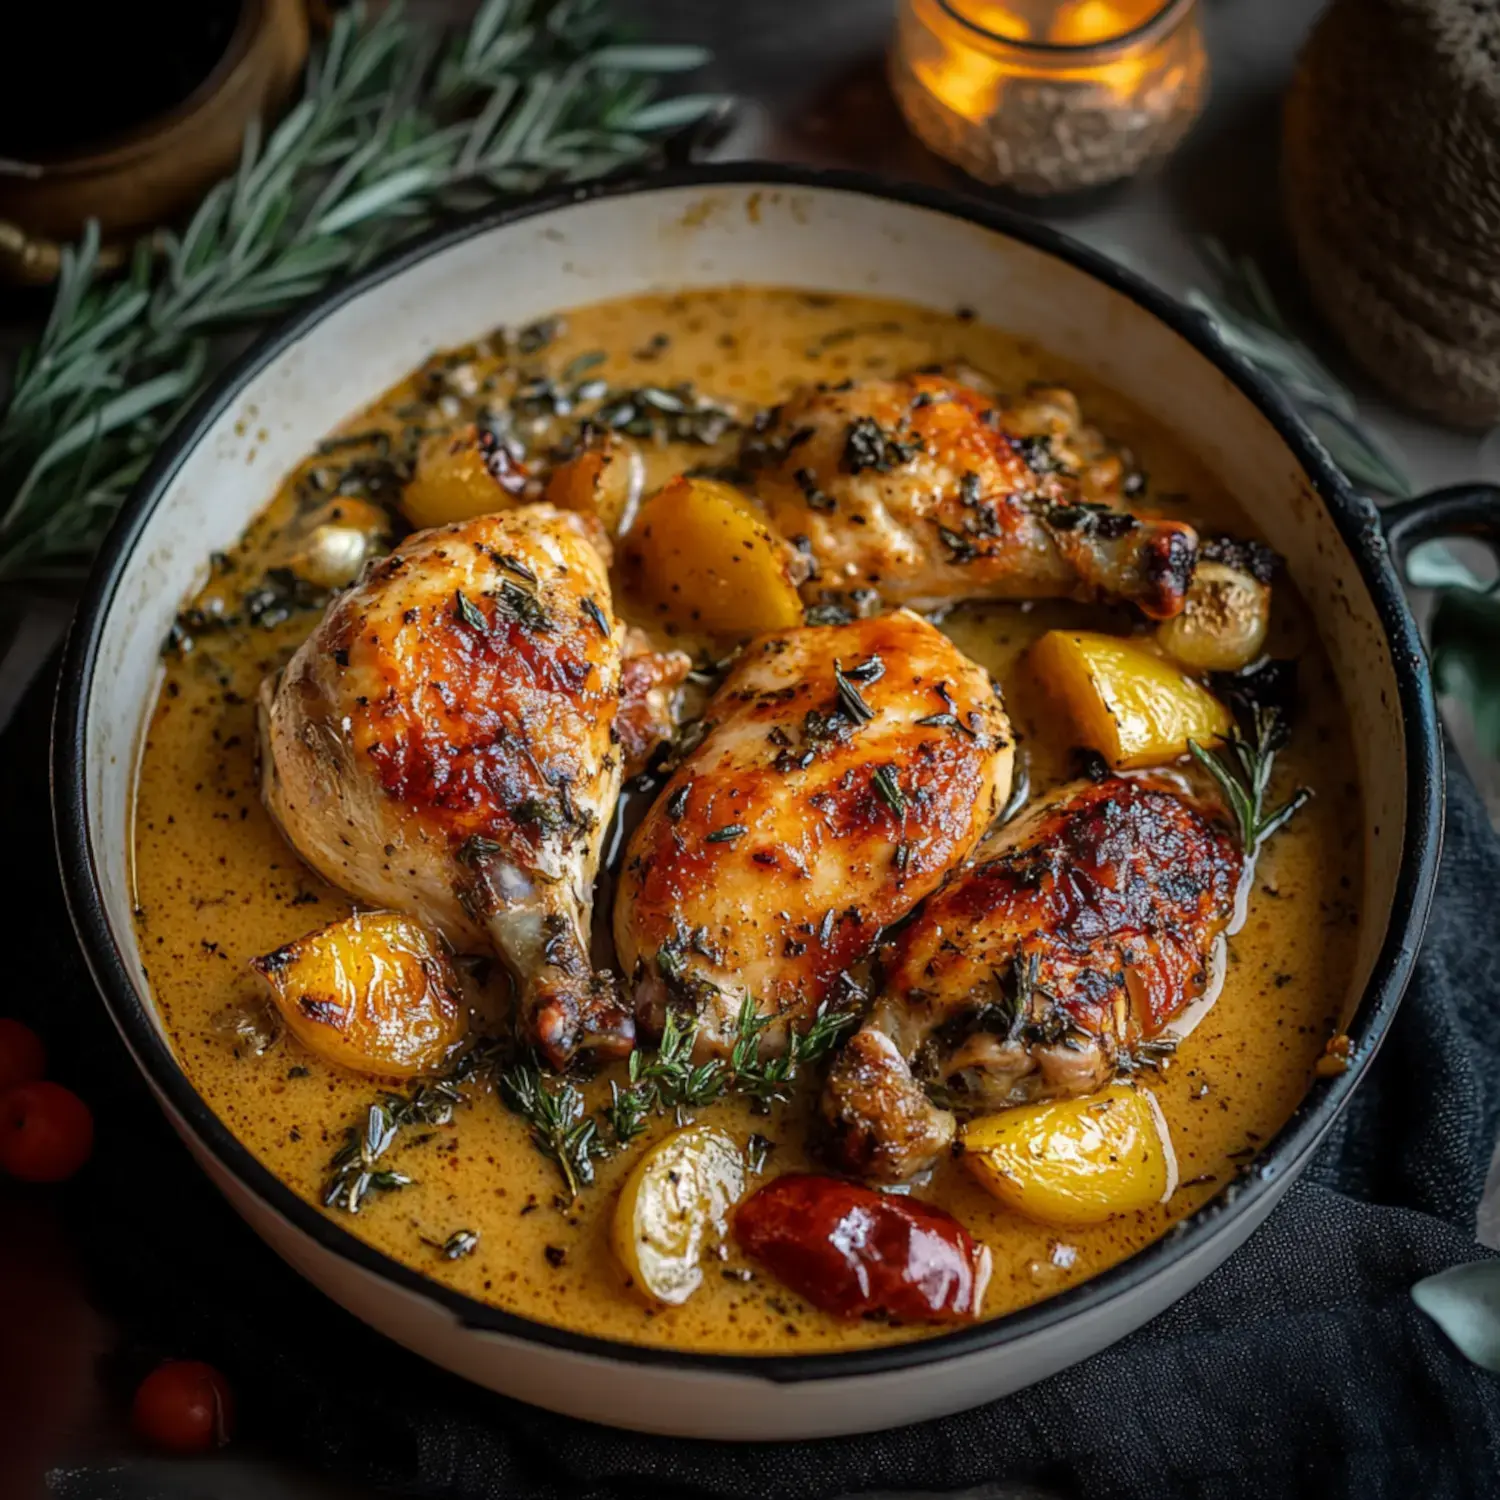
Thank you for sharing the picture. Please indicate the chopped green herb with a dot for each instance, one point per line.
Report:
(946, 721)
(540, 813)
(536, 336)
(460, 1243)
(728, 834)
(476, 847)
(468, 612)
(592, 610)
(807, 482)
(524, 606)
(960, 548)
(851, 701)
(580, 364)
(884, 782)
(868, 446)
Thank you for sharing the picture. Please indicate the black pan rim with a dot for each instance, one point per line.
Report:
(1357, 522)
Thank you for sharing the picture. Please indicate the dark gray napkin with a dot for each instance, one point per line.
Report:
(1300, 1367)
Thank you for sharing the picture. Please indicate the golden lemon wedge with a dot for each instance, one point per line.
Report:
(1074, 1162)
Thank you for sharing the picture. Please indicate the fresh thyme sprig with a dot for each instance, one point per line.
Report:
(768, 1080)
(561, 1128)
(663, 1081)
(556, 1110)
(659, 1083)
(1242, 772)
(354, 1173)
(396, 127)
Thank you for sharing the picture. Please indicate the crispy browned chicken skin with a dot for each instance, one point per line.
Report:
(1034, 974)
(812, 815)
(444, 744)
(927, 492)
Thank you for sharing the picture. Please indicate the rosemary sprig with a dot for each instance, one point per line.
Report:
(1249, 321)
(671, 1081)
(1242, 772)
(396, 127)
(850, 700)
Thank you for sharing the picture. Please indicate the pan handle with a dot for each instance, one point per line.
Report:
(1471, 510)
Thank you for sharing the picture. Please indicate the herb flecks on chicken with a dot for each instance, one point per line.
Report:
(443, 744)
(929, 492)
(1088, 925)
(820, 805)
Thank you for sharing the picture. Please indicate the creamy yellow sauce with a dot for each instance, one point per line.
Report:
(216, 885)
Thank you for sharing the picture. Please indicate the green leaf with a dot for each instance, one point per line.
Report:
(651, 59)
(1464, 1301)
(1465, 634)
(485, 27)
(668, 114)
(1433, 566)
(378, 198)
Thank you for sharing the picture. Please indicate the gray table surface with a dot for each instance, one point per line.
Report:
(809, 72)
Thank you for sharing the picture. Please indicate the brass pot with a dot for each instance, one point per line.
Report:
(153, 172)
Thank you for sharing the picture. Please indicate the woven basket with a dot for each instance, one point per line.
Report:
(1391, 171)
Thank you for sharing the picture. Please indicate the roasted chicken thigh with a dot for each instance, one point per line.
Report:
(843, 772)
(926, 492)
(444, 744)
(1087, 926)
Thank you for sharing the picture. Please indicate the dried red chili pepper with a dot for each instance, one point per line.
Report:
(853, 1251)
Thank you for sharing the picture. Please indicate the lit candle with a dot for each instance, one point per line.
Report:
(1049, 97)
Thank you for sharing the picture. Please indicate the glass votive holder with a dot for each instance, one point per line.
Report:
(1049, 98)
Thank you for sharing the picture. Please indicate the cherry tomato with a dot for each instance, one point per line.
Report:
(184, 1406)
(46, 1132)
(853, 1251)
(23, 1059)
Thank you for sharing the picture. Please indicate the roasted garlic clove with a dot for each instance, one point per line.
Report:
(676, 1199)
(1223, 624)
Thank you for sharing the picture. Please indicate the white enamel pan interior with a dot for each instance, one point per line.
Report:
(743, 224)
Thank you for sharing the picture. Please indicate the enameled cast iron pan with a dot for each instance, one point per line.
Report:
(779, 226)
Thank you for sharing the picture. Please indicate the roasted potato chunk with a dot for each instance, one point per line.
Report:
(677, 1197)
(1223, 623)
(700, 557)
(1075, 1162)
(1125, 700)
(604, 481)
(461, 474)
(374, 993)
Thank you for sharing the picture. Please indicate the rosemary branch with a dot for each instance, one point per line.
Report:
(397, 126)
(1249, 321)
(1242, 772)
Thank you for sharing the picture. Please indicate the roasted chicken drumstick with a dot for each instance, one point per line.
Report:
(845, 770)
(928, 492)
(1089, 924)
(444, 744)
